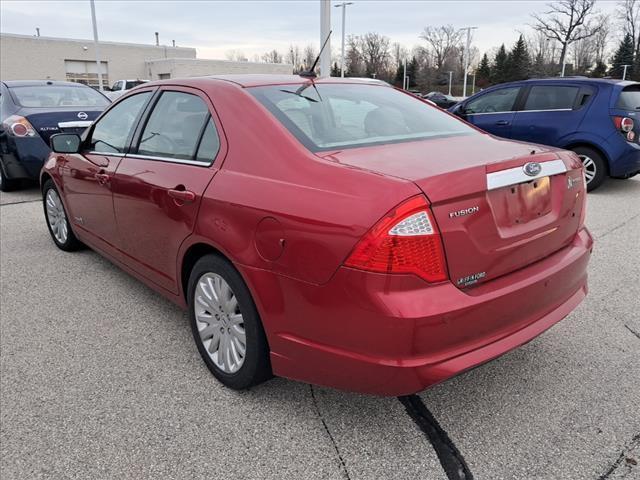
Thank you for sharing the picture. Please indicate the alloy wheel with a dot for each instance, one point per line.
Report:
(590, 168)
(56, 217)
(220, 322)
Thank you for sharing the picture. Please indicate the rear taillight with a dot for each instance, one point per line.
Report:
(625, 126)
(18, 126)
(406, 240)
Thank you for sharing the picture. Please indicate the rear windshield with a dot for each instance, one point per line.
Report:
(135, 83)
(629, 98)
(42, 96)
(336, 116)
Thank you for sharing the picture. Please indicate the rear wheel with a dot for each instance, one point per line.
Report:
(595, 168)
(225, 324)
(57, 220)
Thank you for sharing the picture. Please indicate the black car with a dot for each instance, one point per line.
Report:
(32, 111)
(441, 100)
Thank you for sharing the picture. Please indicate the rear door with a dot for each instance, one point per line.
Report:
(493, 111)
(159, 185)
(550, 112)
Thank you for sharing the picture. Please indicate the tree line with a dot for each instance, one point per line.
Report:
(570, 36)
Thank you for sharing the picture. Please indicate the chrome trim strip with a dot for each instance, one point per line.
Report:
(524, 111)
(514, 176)
(490, 113)
(106, 154)
(76, 124)
(171, 160)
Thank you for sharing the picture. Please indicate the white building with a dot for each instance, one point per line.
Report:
(25, 57)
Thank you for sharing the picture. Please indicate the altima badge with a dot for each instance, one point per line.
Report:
(464, 212)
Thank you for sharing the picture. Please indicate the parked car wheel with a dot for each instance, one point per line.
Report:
(225, 324)
(595, 168)
(6, 184)
(57, 220)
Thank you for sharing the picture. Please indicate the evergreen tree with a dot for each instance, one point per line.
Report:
(499, 70)
(623, 56)
(600, 70)
(483, 73)
(519, 63)
(335, 70)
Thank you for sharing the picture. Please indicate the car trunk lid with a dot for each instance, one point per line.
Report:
(494, 219)
(73, 120)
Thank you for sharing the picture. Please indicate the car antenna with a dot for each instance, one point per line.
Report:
(311, 72)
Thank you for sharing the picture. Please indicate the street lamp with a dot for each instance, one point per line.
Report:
(466, 58)
(95, 42)
(624, 72)
(344, 13)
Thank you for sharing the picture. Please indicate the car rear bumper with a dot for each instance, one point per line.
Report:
(396, 335)
(24, 157)
(627, 161)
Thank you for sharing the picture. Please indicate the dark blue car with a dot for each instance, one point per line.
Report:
(599, 119)
(32, 111)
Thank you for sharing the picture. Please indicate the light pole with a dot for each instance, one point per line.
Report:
(344, 13)
(95, 43)
(466, 59)
(624, 72)
(473, 88)
(325, 31)
(404, 76)
(450, 80)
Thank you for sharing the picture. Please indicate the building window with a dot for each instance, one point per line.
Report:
(86, 72)
(164, 76)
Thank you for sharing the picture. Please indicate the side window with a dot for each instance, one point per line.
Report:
(111, 132)
(497, 101)
(210, 143)
(174, 126)
(551, 97)
(116, 86)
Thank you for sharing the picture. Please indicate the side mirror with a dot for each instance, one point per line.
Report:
(65, 143)
(459, 110)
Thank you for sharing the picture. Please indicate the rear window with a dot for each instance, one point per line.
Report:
(132, 84)
(629, 98)
(43, 96)
(336, 116)
(546, 97)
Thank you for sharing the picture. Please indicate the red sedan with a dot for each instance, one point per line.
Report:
(334, 231)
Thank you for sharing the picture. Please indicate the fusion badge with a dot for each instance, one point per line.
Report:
(464, 212)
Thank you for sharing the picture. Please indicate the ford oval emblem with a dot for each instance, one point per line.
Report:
(82, 116)
(532, 168)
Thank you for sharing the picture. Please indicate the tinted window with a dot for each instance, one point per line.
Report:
(551, 97)
(42, 96)
(330, 116)
(629, 98)
(135, 83)
(210, 143)
(497, 101)
(116, 86)
(111, 132)
(174, 126)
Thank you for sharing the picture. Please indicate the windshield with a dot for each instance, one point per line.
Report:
(42, 96)
(336, 116)
(135, 83)
(629, 98)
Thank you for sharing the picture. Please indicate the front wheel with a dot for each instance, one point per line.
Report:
(57, 220)
(595, 168)
(225, 324)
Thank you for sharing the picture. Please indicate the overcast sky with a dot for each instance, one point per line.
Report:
(215, 27)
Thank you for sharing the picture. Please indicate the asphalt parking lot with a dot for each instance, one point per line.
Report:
(100, 378)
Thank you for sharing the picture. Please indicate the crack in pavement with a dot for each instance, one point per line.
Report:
(450, 457)
(617, 227)
(632, 331)
(635, 442)
(326, 428)
(19, 202)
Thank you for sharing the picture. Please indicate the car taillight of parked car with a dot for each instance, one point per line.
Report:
(18, 126)
(406, 240)
(625, 126)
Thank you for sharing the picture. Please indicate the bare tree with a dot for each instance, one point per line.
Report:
(567, 21)
(294, 57)
(309, 55)
(629, 15)
(399, 53)
(272, 57)
(374, 49)
(236, 56)
(353, 61)
(442, 41)
(601, 39)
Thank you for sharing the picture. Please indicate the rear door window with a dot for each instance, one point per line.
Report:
(501, 100)
(174, 127)
(629, 98)
(551, 97)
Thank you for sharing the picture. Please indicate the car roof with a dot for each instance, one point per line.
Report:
(257, 80)
(576, 79)
(38, 83)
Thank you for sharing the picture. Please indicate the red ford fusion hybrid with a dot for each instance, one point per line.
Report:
(334, 231)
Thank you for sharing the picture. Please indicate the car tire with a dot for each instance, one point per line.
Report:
(7, 184)
(57, 219)
(594, 165)
(224, 322)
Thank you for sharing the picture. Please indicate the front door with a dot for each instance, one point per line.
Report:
(87, 176)
(159, 185)
(493, 111)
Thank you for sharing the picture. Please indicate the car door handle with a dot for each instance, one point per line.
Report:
(103, 178)
(502, 122)
(186, 196)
